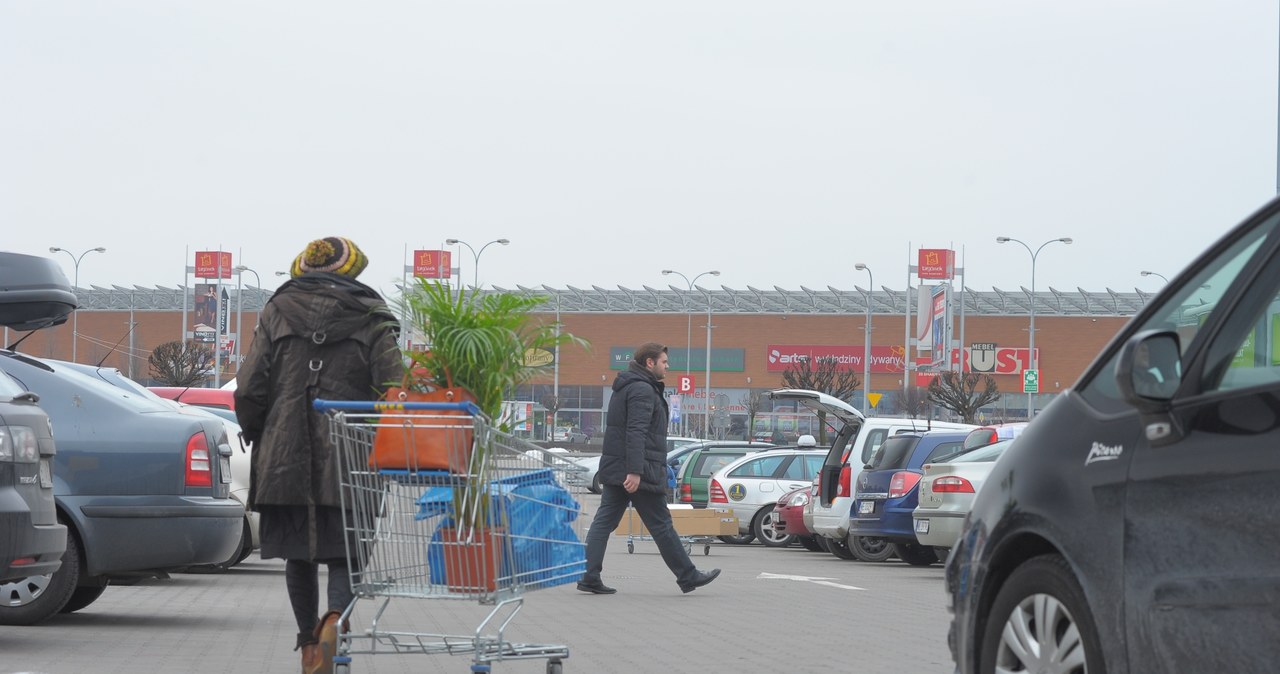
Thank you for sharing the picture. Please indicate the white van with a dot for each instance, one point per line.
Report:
(857, 440)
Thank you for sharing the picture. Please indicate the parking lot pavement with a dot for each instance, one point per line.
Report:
(770, 611)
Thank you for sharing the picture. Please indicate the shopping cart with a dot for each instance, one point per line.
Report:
(505, 525)
(687, 540)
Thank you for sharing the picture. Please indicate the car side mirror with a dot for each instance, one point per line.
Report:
(1149, 370)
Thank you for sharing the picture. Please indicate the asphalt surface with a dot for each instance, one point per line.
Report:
(771, 610)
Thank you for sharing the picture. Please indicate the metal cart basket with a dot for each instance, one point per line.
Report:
(503, 522)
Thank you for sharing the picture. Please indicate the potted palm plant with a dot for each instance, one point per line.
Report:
(480, 343)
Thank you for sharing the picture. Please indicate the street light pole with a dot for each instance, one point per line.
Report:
(75, 322)
(240, 270)
(1031, 342)
(688, 342)
(1151, 273)
(475, 284)
(866, 342)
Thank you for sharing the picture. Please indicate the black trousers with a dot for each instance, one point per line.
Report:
(652, 508)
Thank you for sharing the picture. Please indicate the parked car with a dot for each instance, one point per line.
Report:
(220, 398)
(888, 492)
(947, 490)
(749, 488)
(695, 473)
(1134, 527)
(676, 442)
(571, 434)
(853, 445)
(675, 458)
(241, 461)
(141, 489)
(789, 517)
(36, 295)
(986, 435)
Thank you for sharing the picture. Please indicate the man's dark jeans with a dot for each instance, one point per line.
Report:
(653, 511)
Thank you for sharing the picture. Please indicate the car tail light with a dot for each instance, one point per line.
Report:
(199, 471)
(953, 484)
(902, 483)
(846, 479)
(717, 493)
(23, 561)
(686, 493)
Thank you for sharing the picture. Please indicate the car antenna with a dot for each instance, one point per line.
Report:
(21, 339)
(113, 346)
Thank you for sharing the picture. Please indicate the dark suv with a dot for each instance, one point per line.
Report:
(1136, 527)
(33, 294)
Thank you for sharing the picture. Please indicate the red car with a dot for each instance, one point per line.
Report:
(200, 397)
(789, 517)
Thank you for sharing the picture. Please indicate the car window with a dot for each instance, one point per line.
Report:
(875, 438)
(1246, 351)
(812, 464)
(763, 467)
(1185, 311)
(794, 470)
(8, 387)
(944, 451)
(982, 454)
(709, 464)
(894, 453)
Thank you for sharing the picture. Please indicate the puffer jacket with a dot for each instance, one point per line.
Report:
(635, 439)
(321, 335)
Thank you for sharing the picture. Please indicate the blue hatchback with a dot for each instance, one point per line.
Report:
(888, 491)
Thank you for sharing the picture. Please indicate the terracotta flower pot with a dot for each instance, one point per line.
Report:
(471, 564)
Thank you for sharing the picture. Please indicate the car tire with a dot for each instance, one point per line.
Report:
(840, 549)
(810, 543)
(740, 539)
(1042, 586)
(823, 543)
(915, 554)
(82, 597)
(765, 529)
(870, 548)
(29, 601)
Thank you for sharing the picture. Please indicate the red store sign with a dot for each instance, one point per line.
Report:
(936, 263)
(884, 359)
(207, 264)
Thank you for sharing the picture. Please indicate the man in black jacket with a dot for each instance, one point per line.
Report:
(633, 471)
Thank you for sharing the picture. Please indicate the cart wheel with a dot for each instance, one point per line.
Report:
(688, 548)
(631, 547)
(555, 667)
(481, 668)
(341, 668)
(706, 549)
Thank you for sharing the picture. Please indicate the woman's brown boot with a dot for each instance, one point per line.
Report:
(327, 638)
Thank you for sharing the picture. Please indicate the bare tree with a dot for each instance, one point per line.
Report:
(914, 401)
(823, 375)
(752, 401)
(181, 363)
(963, 392)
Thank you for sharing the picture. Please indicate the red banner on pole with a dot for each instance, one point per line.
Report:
(207, 264)
(936, 263)
(432, 263)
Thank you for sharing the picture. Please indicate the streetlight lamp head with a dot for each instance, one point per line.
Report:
(240, 268)
(1066, 240)
(504, 241)
(100, 249)
(860, 267)
(714, 273)
(450, 242)
(282, 273)
(667, 272)
(1145, 273)
(54, 249)
(1003, 239)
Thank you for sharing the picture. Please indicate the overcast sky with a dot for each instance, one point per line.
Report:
(778, 142)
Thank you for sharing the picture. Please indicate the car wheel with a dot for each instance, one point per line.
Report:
(1040, 621)
(822, 542)
(915, 554)
(810, 543)
(82, 597)
(740, 539)
(28, 601)
(839, 548)
(870, 548)
(765, 528)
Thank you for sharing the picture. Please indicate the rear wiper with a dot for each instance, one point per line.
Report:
(27, 396)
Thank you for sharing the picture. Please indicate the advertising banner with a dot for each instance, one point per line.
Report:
(940, 319)
(673, 402)
(206, 308)
(722, 360)
(210, 262)
(432, 263)
(987, 358)
(936, 263)
(924, 324)
(884, 359)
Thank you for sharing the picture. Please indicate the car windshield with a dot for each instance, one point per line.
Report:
(982, 454)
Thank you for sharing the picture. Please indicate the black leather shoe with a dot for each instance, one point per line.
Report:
(703, 578)
(595, 588)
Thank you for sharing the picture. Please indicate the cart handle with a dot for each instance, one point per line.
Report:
(390, 406)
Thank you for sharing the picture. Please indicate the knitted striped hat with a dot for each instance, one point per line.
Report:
(333, 254)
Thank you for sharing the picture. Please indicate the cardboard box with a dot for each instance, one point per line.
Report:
(688, 522)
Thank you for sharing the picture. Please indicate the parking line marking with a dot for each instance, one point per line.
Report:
(816, 580)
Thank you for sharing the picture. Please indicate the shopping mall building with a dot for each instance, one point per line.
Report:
(754, 336)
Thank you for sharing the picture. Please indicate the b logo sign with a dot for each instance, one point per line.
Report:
(684, 384)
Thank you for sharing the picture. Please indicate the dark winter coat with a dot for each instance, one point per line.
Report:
(321, 335)
(635, 439)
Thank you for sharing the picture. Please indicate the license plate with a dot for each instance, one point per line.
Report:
(224, 469)
(866, 507)
(922, 526)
